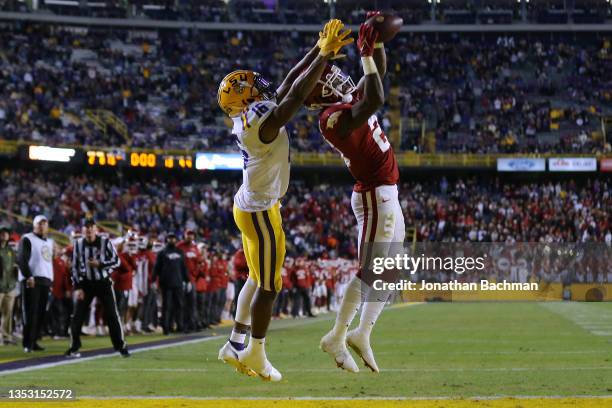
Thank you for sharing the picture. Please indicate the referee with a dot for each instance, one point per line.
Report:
(35, 260)
(93, 259)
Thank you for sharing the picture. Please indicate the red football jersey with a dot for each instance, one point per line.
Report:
(366, 151)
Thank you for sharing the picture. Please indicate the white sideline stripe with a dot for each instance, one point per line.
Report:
(82, 359)
(306, 398)
(178, 343)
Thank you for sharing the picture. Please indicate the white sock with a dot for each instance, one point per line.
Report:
(348, 308)
(237, 337)
(371, 311)
(243, 307)
(257, 347)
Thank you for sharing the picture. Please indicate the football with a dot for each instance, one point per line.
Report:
(387, 25)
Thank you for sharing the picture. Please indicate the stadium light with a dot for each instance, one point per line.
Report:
(219, 161)
(54, 154)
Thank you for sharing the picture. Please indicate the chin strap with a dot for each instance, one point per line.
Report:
(347, 98)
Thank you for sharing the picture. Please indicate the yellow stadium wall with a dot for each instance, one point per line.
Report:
(586, 291)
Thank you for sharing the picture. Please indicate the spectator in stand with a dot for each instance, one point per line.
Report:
(8, 286)
(478, 95)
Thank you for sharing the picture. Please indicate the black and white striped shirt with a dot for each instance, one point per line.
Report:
(102, 250)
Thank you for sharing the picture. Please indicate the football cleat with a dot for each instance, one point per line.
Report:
(229, 355)
(337, 349)
(72, 353)
(260, 365)
(361, 346)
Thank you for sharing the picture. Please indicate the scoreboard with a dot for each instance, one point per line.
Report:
(127, 158)
(138, 159)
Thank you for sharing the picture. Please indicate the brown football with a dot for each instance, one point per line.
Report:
(387, 25)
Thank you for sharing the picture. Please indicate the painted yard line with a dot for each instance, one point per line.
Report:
(399, 398)
(592, 323)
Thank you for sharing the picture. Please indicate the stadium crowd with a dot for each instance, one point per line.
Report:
(314, 11)
(318, 218)
(320, 228)
(493, 95)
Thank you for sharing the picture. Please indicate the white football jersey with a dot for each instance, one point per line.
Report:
(265, 174)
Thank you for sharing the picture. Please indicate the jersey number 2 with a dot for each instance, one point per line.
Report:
(378, 135)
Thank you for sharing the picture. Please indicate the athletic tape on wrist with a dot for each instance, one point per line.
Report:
(369, 66)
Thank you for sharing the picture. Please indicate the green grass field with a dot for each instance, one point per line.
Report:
(428, 350)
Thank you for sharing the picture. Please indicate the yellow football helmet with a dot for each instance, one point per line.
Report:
(241, 88)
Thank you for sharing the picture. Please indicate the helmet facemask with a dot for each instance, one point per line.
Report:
(264, 88)
(336, 86)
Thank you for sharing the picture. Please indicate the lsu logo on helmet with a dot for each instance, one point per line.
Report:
(241, 88)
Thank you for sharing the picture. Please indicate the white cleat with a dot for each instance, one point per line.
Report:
(229, 355)
(337, 349)
(260, 366)
(361, 346)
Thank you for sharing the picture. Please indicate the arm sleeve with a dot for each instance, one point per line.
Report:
(23, 257)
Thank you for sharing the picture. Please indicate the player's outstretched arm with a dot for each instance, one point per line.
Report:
(283, 89)
(373, 93)
(330, 42)
(380, 57)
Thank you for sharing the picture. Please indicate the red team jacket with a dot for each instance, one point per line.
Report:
(218, 274)
(144, 258)
(241, 269)
(301, 277)
(193, 260)
(202, 280)
(286, 274)
(366, 151)
(61, 278)
(224, 278)
(122, 276)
